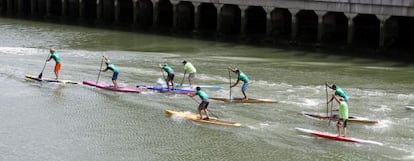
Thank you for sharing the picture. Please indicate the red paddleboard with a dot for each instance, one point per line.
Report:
(108, 87)
(336, 137)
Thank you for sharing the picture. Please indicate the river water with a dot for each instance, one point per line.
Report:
(49, 121)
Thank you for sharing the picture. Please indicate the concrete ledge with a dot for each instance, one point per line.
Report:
(379, 7)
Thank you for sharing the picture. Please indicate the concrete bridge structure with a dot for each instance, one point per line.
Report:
(372, 23)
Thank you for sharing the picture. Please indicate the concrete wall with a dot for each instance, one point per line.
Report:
(348, 22)
(383, 7)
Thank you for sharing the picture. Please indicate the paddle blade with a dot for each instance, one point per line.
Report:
(40, 75)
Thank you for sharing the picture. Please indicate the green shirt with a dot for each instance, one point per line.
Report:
(112, 67)
(56, 57)
(189, 68)
(343, 110)
(243, 77)
(168, 69)
(202, 94)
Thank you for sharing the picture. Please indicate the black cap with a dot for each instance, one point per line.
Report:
(184, 62)
(198, 88)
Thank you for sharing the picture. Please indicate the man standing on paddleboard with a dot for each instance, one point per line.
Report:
(170, 75)
(204, 102)
(191, 70)
(111, 66)
(338, 91)
(343, 115)
(54, 55)
(241, 77)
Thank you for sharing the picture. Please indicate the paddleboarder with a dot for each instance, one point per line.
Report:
(191, 70)
(111, 66)
(343, 114)
(204, 102)
(338, 91)
(241, 77)
(55, 56)
(170, 75)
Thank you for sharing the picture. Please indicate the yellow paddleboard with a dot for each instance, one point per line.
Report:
(196, 118)
(32, 77)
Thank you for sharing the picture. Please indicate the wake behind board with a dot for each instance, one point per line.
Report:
(32, 77)
(241, 100)
(335, 137)
(351, 119)
(108, 87)
(165, 90)
(196, 118)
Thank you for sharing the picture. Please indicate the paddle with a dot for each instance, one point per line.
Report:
(99, 74)
(230, 86)
(208, 110)
(330, 116)
(326, 91)
(41, 73)
(163, 76)
(182, 81)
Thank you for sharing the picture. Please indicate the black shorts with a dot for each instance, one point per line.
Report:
(203, 105)
(170, 77)
(344, 122)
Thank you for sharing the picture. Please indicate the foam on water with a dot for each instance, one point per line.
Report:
(260, 125)
(23, 51)
(380, 108)
(381, 127)
(380, 68)
(241, 58)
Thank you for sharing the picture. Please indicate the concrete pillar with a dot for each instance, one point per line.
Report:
(321, 30)
(294, 25)
(218, 24)
(383, 20)
(64, 8)
(82, 9)
(10, 9)
(155, 15)
(20, 8)
(350, 36)
(196, 16)
(269, 26)
(49, 8)
(117, 12)
(175, 16)
(243, 20)
(33, 7)
(99, 8)
(117, 9)
(135, 5)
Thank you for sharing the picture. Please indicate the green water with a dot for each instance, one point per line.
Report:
(48, 121)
